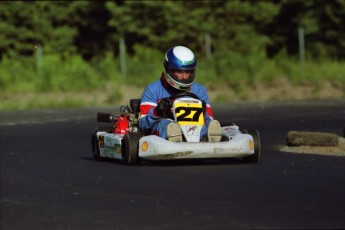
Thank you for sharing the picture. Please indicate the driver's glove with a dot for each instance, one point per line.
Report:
(163, 107)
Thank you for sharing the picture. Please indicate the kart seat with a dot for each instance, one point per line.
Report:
(135, 105)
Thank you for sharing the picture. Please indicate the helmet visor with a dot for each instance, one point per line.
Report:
(183, 76)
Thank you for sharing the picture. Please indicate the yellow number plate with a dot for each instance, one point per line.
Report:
(189, 113)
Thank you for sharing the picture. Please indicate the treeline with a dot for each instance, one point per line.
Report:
(91, 29)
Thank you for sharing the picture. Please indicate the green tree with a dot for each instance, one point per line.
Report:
(239, 27)
(90, 18)
(24, 25)
(323, 23)
(148, 23)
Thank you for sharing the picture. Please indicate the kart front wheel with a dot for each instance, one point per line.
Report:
(257, 147)
(129, 148)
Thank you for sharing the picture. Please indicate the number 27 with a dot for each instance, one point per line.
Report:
(187, 112)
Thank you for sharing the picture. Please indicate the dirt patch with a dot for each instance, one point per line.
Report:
(59, 99)
(324, 150)
(279, 89)
(114, 94)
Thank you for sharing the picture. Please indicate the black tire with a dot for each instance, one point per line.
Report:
(129, 148)
(257, 147)
(95, 147)
(94, 141)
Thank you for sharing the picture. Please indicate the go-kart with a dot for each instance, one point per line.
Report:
(124, 140)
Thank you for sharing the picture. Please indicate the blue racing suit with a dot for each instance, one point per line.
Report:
(151, 123)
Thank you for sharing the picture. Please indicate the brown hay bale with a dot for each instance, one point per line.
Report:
(298, 138)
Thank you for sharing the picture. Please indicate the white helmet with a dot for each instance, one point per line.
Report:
(179, 58)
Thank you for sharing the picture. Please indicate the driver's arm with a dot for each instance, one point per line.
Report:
(148, 118)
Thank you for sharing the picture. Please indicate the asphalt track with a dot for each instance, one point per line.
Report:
(50, 181)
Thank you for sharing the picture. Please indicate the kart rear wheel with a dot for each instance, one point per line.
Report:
(257, 146)
(95, 143)
(95, 146)
(129, 148)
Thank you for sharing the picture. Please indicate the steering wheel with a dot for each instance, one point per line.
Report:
(167, 103)
(188, 94)
(184, 94)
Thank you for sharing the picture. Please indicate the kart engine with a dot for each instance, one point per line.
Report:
(125, 122)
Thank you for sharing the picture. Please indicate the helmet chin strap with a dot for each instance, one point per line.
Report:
(166, 82)
(176, 85)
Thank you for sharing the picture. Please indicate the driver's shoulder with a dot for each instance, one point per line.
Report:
(153, 88)
(154, 84)
(197, 87)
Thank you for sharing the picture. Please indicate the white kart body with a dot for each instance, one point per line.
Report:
(110, 145)
(153, 147)
(156, 148)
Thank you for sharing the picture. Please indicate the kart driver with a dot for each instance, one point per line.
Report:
(155, 107)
